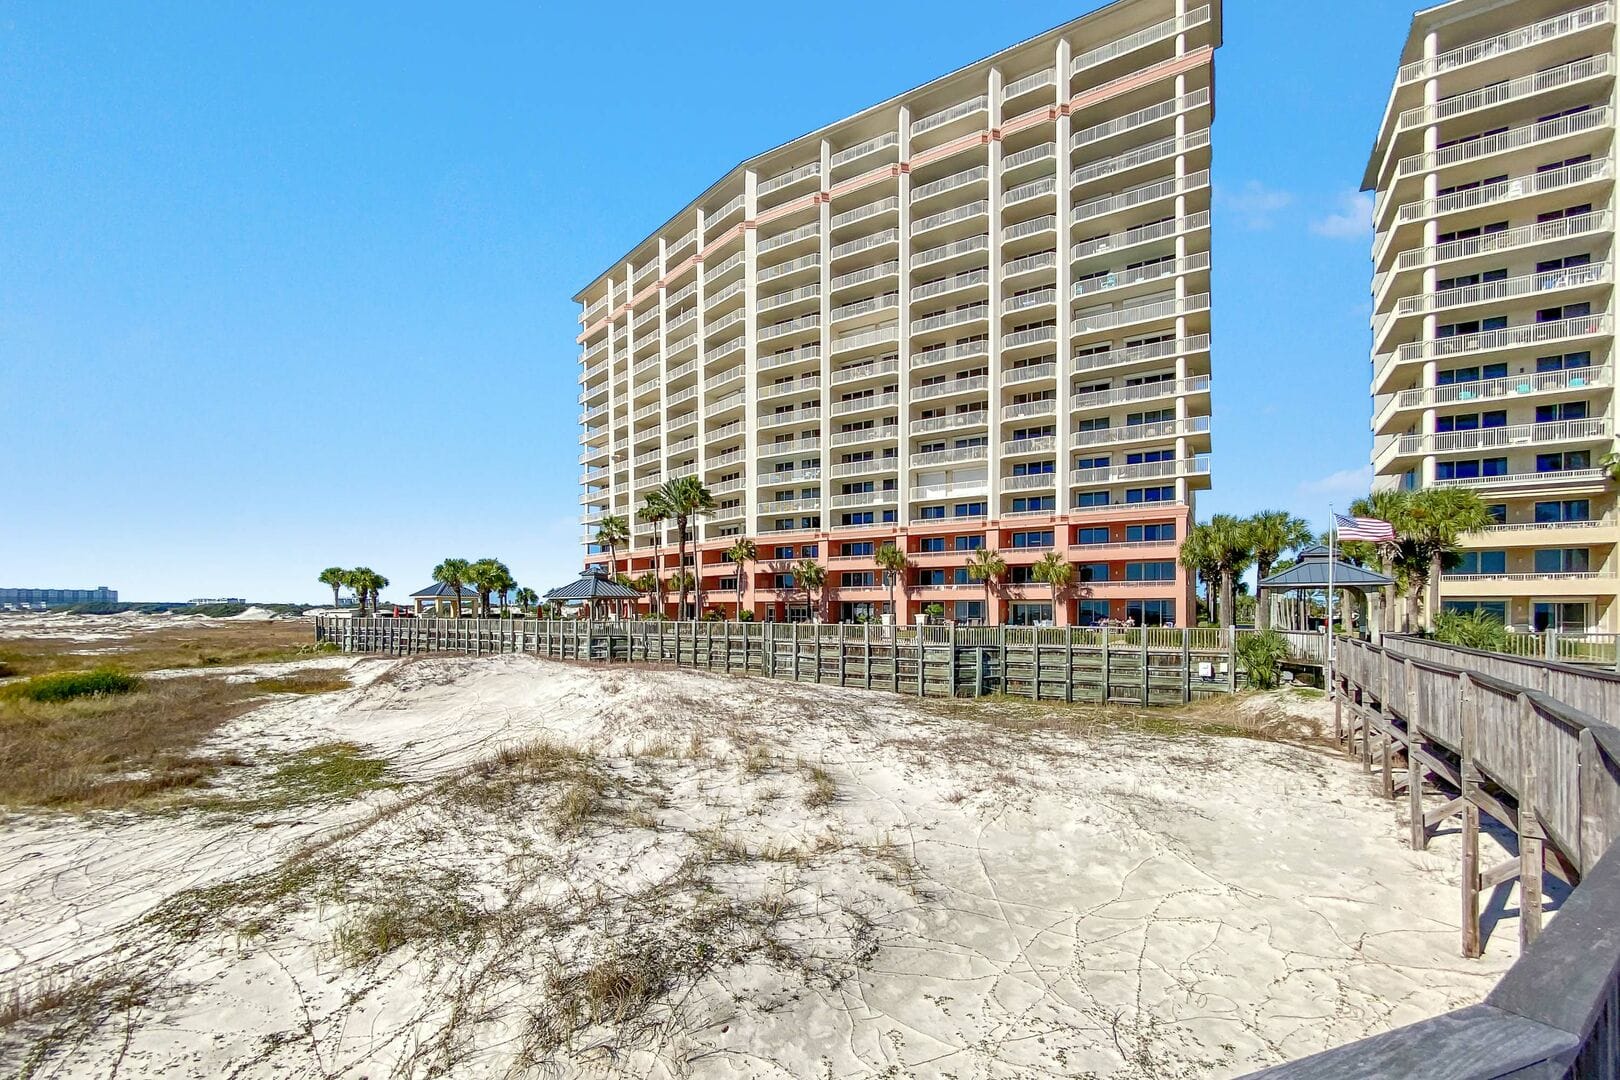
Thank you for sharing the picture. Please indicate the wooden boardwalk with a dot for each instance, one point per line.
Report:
(1523, 743)
(1140, 666)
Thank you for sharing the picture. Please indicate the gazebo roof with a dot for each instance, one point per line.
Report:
(441, 589)
(1311, 572)
(593, 584)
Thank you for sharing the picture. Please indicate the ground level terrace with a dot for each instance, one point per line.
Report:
(1126, 569)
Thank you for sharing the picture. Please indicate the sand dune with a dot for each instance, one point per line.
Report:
(662, 874)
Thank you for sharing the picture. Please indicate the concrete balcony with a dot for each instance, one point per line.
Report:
(1041, 444)
(871, 305)
(721, 461)
(1158, 150)
(937, 492)
(1156, 191)
(978, 174)
(790, 506)
(1513, 386)
(887, 334)
(1129, 433)
(811, 261)
(1569, 176)
(954, 456)
(967, 246)
(1546, 131)
(789, 476)
(715, 217)
(966, 212)
(1525, 236)
(1530, 336)
(1139, 313)
(1026, 301)
(1140, 392)
(866, 274)
(1028, 409)
(1501, 93)
(1151, 114)
(865, 498)
(804, 354)
(1151, 470)
(962, 316)
(1141, 39)
(951, 422)
(725, 322)
(936, 120)
(789, 326)
(1140, 354)
(1031, 373)
(975, 384)
(1034, 189)
(1194, 263)
(729, 403)
(1028, 84)
(1512, 41)
(792, 236)
(1035, 335)
(943, 354)
(1032, 155)
(882, 238)
(967, 279)
(1494, 292)
(1041, 260)
(885, 432)
(1530, 482)
(1030, 482)
(1506, 438)
(874, 466)
(790, 296)
(869, 370)
(865, 149)
(788, 179)
(732, 374)
(850, 406)
(791, 416)
(865, 212)
(1143, 234)
(791, 446)
(724, 267)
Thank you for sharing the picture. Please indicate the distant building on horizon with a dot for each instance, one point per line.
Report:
(1493, 316)
(217, 600)
(976, 315)
(57, 597)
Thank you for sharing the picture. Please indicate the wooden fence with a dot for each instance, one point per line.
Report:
(1522, 751)
(1139, 666)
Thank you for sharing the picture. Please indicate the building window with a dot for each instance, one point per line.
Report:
(1151, 612)
(1150, 534)
(1037, 539)
(1085, 537)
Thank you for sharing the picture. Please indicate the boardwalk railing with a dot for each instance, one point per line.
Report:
(1597, 649)
(1530, 752)
(1137, 666)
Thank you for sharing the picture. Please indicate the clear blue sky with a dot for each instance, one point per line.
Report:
(285, 286)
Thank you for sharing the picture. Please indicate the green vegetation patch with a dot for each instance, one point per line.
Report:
(308, 681)
(68, 685)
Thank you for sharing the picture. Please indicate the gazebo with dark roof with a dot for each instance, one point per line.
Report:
(592, 586)
(440, 594)
(1311, 574)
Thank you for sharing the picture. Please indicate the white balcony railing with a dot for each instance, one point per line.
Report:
(877, 433)
(964, 280)
(1513, 40)
(1141, 155)
(1029, 83)
(1032, 227)
(1148, 470)
(1492, 291)
(1033, 299)
(1498, 93)
(947, 115)
(1511, 139)
(954, 456)
(789, 446)
(790, 326)
(1027, 409)
(1158, 271)
(951, 250)
(1511, 337)
(1046, 151)
(864, 403)
(803, 354)
(807, 385)
(941, 354)
(790, 416)
(1506, 438)
(976, 174)
(977, 208)
(875, 272)
(789, 178)
(880, 238)
(1140, 118)
(1041, 260)
(1142, 38)
(1034, 189)
(1198, 384)
(1519, 186)
(870, 370)
(867, 467)
(950, 422)
(1140, 235)
(1137, 196)
(1034, 335)
(1556, 478)
(1582, 378)
(792, 236)
(868, 306)
(1125, 316)
(791, 266)
(944, 319)
(715, 272)
(791, 296)
(1038, 444)
(1012, 376)
(1164, 429)
(865, 211)
(862, 149)
(1508, 239)
(860, 339)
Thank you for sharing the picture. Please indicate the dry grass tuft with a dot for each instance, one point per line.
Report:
(306, 681)
(183, 646)
(113, 751)
(823, 791)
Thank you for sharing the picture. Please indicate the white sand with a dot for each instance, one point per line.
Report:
(975, 902)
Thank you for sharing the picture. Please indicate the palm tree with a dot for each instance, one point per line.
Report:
(526, 599)
(743, 552)
(987, 566)
(1272, 532)
(680, 580)
(1434, 522)
(333, 577)
(891, 557)
(1610, 464)
(1056, 571)
(360, 581)
(1231, 547)
(487, 576)
(1198, 555)
(613, 532)
(655, 513)
(649, 584)
(811, 576)
(683, 498)
(453, 574)
(1387, 506)
(378, 584)
(504, 584)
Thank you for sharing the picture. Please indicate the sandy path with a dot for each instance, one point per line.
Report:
(973, 902)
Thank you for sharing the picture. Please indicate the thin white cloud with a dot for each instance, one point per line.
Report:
(1351, 482)
(1351, 221)
(1254, 205)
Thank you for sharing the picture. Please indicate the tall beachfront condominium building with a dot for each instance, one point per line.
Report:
(973, 316)
(1493, 320)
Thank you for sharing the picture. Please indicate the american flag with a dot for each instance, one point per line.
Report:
(1371, 529)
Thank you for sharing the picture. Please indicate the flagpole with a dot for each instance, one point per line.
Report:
(1333, 532)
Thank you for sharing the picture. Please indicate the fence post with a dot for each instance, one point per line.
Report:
(1145, 681)
(1531, 834)
(1470, 833)
(1068, 664)
(1107, 667)
(1186, 666)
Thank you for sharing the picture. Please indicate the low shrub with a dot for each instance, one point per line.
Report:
(1262, 656)
(68, 685)
(1471, 630)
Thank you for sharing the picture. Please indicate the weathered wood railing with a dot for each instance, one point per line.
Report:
(1523, 752)
(1143, 665)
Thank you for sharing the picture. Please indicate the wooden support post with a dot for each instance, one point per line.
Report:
(1414, 772)
(1146, 682)
(1186, 666)
(1532, 837)
(1468, 775)
(1107, 666)
(1035, 689)
(1068, 664)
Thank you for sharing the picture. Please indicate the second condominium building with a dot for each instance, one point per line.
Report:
(1493, 318)
(973, 316)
